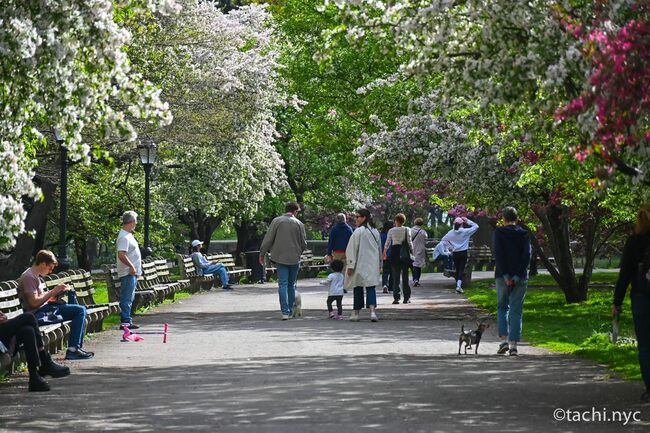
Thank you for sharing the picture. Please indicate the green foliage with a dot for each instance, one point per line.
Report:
(317, 138)
(578, 328)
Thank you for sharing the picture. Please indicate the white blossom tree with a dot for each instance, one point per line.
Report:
(63, 66)
(218, 71)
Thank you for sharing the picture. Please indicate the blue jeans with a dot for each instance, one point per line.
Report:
(641, 316)
(371, 297)
(76, 314)
(287, 275)
(510, 304)
(220, 269)
(127, 294)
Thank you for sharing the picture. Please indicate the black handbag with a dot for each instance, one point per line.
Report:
(405, 255)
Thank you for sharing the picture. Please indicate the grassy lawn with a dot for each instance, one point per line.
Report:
(580, 329)
(113, 321)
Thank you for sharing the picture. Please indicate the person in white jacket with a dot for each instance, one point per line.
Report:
(363, 256)
(458, 239)
(419, 239)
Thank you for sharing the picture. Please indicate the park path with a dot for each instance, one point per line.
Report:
(231, 365)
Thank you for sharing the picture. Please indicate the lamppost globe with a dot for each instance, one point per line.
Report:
(148, 154)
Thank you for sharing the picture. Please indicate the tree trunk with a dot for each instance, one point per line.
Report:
(201, 226)
(81, 251)
(555, 220)
(590, 228)
(249, 238)
(26, 245)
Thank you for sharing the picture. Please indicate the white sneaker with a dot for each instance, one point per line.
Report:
(285, 317)
(354, 317)
(373, 317)
(459, 290)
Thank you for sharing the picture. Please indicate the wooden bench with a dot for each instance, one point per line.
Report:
(164, 275)
(52, 335)
(150, 280)
(81, 282)
(234, 272)
(149, 288)
(478, 258)
(188, 272)
(310, 266)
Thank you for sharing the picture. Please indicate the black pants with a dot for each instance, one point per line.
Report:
(398, 268)
(387, 275)
(339, 303)
(417, 273)
(460, 261)
(25, 328)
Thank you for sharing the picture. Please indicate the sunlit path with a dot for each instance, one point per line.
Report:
(232, 365)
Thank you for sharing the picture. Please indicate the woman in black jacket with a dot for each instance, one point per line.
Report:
(633, 255)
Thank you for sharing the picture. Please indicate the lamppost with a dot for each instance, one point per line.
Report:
(148, 158)
(64, 261)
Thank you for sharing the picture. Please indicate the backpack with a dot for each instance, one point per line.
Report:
(643, 271)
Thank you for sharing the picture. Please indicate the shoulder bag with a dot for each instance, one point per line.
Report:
(405, 255)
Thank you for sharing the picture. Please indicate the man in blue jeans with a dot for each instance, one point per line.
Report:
(129, 266)
(285, 240)
(31, 290)
(512, 254)
(204, 267)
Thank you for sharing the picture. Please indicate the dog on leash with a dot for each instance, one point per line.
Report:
(471, 337)
(297, 306)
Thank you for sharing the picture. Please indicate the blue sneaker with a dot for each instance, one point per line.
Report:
(78, 354)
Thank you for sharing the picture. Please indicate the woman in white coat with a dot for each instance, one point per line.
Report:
(419, 239)
(363, 256)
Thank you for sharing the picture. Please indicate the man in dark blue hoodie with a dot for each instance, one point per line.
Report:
(512, 254)
(339, 238)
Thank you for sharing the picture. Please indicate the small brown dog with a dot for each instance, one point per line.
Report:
(471, 337)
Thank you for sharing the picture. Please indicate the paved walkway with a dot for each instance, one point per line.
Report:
(232, 366)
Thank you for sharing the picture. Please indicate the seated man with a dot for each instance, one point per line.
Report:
(31, 290)
(204, 267)
(23, 329)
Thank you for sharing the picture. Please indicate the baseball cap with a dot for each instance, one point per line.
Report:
(196, 242)
(458, 220)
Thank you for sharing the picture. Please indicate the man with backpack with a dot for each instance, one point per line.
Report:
(634, 270)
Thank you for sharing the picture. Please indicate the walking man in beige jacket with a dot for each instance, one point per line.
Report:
(285, 240)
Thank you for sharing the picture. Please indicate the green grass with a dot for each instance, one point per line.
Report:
(113, 321)
(580, 329)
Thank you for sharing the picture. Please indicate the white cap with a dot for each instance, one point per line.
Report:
(196, 242)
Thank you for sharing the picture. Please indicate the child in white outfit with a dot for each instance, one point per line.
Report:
(335, 282)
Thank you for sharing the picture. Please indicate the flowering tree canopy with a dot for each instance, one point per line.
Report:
(218, 72)
(614, 107)
(63, 67)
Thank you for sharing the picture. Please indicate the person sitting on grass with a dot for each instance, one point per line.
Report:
(31, 290)
(204, 267)
(23, 329)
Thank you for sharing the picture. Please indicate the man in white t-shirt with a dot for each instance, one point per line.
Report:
(129, 266)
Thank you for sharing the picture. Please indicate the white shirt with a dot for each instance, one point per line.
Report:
(442, 249)
(458, 240)
(397, 236)
(335, 282)
(126, 242)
